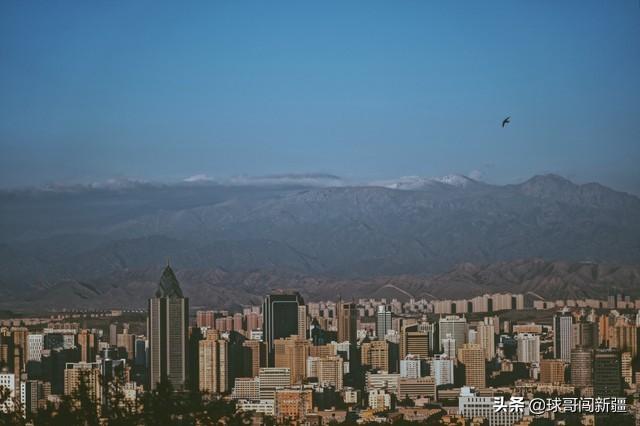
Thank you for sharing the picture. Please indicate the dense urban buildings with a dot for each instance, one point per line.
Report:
(367, 359)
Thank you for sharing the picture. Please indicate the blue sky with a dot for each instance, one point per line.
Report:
(365, 90)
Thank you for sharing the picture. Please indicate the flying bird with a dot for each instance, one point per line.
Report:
(506, 121)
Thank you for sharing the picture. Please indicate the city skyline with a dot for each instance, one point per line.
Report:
(365, 359)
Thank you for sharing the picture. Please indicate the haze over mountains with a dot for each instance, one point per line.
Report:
(103, 245)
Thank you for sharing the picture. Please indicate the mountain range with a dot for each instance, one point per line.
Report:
(104, 245)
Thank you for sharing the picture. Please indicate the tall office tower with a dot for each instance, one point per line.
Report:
(375, 355)
(472, 358)
(88, 344)
(587, 334)
(456, 327)
(563, 335)
(303, 323)
(607, 373)
(410, 367)
(347, 322)
(487, 337)
(383, 321)
(292, 353)
(280, 313)
(74, 372)
(214, 375)
(272, 378)
(330, 371)
(552, 371)
(167, 325)
(252, 358)
(442, 370)
(528, 349)
(414, 342)
(626, 367)
(581, 367)
(449, 346)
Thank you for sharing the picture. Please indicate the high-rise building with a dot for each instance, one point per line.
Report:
(472, 357)
(33, 395)
(252, 359)
(587, 334)
(448, 344)
(292, 353)
(88, 344)
(168, 333)
(205, 319)
(552, 371)
(303, 322)
(113, 332)
(410, 367)
(214, 375)
(330, 371)
(20, 346)
(454, 327)
(347, 322)
(413, 341)
(89, 372)
(607, 373)
(528, 349)
(35, 345)
(252, 320)
(126, 342)
(442, 370)
(383, 321)
(375, 355)
(581, 367)
(623, 335)
(563, 335)
(431, 328)
(486, 337)
(238, 322)
(281, 319)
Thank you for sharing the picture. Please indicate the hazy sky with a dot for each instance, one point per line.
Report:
(366, 90)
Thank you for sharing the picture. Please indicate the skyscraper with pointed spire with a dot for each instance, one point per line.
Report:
(167, 325)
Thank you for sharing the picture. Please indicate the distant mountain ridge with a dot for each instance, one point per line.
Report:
(291, 224)
(216, 288)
